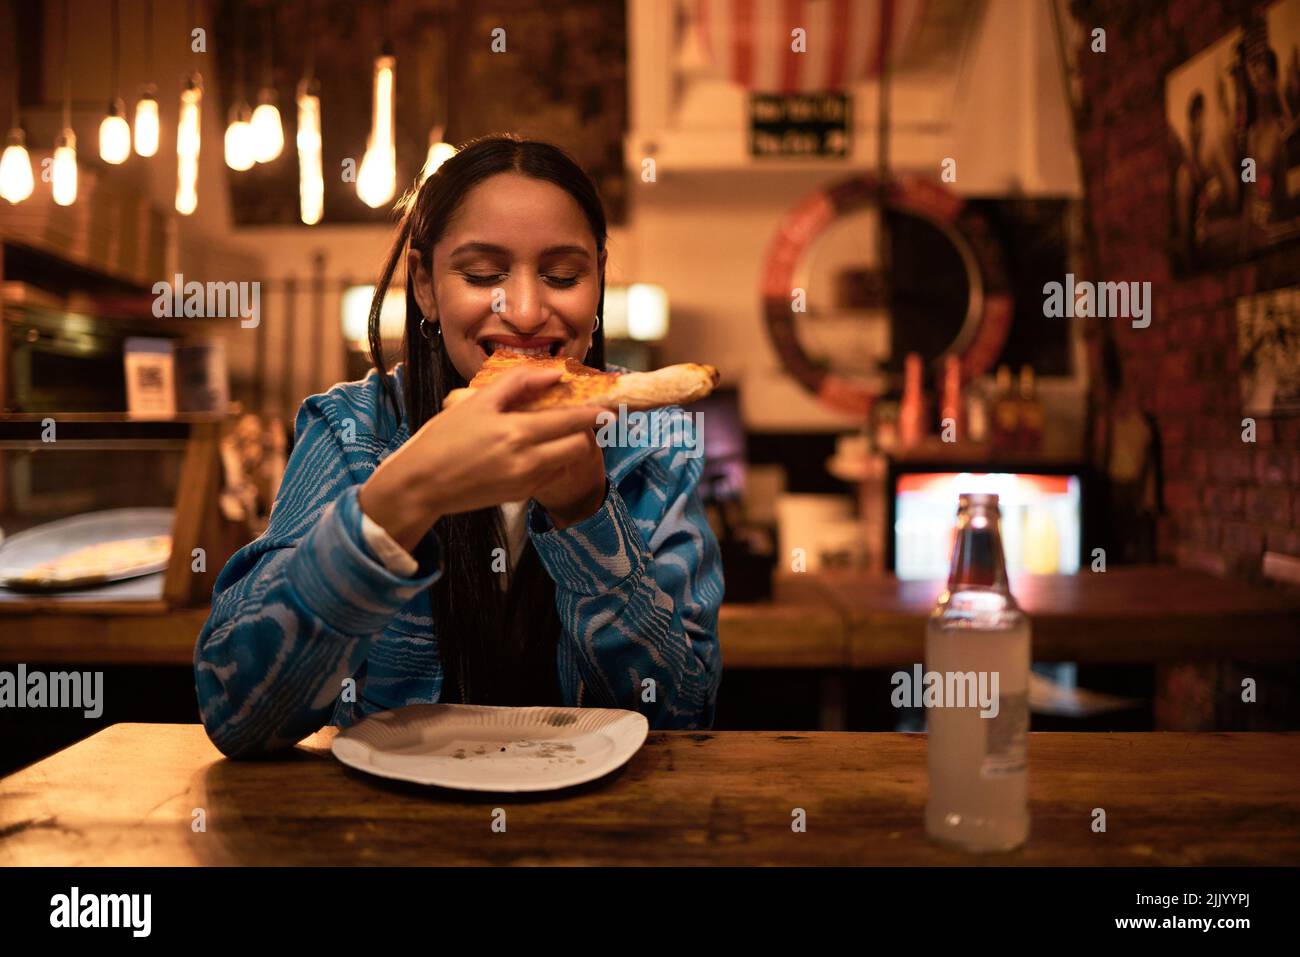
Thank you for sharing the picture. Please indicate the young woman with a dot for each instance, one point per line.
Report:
(480, 554)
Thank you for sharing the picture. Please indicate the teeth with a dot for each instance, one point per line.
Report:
(540, 351)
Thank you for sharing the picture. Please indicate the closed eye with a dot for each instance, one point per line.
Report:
(475, 279)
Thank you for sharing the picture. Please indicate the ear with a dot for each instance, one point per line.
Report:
(421, 284)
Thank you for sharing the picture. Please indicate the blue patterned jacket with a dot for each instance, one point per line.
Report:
(306, 606)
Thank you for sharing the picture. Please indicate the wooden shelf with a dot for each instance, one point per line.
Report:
(114, 418)
(109, 633)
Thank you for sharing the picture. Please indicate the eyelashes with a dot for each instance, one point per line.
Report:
(560, 282)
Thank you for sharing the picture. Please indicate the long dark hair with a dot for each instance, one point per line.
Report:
(499, 647)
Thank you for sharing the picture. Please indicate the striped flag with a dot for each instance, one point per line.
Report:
(846, 41)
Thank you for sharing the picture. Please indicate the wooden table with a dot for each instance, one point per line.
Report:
(1146, 614)
(127, 795)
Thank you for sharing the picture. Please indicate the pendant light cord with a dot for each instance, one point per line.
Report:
(148, 40)
(114, 12)
(194, 77)
(309, 66)
(266, 46)
(13, 117)
(67, 73)
(239, 53)
(440, 117)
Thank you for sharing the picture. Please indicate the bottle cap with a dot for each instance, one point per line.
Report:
(977, 500)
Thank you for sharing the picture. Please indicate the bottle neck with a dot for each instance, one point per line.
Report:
(977, 560)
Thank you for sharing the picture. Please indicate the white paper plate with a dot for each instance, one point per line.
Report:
(479, 748)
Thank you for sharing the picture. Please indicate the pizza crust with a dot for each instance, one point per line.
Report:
(671, 385)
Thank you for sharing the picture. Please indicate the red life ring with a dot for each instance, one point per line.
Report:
(988, 321)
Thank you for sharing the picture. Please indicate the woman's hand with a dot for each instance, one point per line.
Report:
(578, 489)
(479, 453)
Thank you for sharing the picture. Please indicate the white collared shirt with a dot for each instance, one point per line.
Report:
(401, 562)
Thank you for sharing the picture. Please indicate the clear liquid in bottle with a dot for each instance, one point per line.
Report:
(978, 765)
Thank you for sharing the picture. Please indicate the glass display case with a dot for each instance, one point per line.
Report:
(101, 508)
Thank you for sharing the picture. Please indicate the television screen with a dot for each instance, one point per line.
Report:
(1042, 521)
(721, 429)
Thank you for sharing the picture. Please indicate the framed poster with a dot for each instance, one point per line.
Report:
(1233, 117)
(1268, 345)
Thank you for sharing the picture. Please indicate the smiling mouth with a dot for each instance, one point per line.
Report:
(516, 345)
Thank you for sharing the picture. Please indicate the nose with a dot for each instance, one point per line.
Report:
(524, 307)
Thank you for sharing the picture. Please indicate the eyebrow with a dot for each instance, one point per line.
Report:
(501, 250)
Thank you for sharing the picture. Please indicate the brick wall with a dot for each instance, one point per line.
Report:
(1226, 501)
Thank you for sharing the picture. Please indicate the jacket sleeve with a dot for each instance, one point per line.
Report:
(294, 612)
(638, 588)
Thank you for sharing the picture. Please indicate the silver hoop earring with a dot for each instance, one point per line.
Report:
(597, 325)
(426, 325)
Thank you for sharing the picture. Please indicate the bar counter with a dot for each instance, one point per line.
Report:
(1141, 614)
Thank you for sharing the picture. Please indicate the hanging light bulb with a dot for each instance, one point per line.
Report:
(311, 181)
(16, 168)
(268, 131)
(145, 129)
(16, 179)
(239, 131)
(439, 153)
(114, 131)
(146, 122)
(64, 174)
(114, 134)
(187, 145)
(239, 139)
(377, 177)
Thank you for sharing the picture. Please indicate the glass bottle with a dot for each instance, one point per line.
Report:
(1031, 412)
(1006, 412)
(911, 412)
(977, 650)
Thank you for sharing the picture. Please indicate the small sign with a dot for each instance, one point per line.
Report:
(150, 376)
(799, 124)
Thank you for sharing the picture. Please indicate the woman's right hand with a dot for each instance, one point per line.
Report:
(476, 454)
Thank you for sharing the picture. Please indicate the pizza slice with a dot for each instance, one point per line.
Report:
(583, 385)
(102, 560)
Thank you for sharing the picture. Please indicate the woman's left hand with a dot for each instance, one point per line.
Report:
(576, 491)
